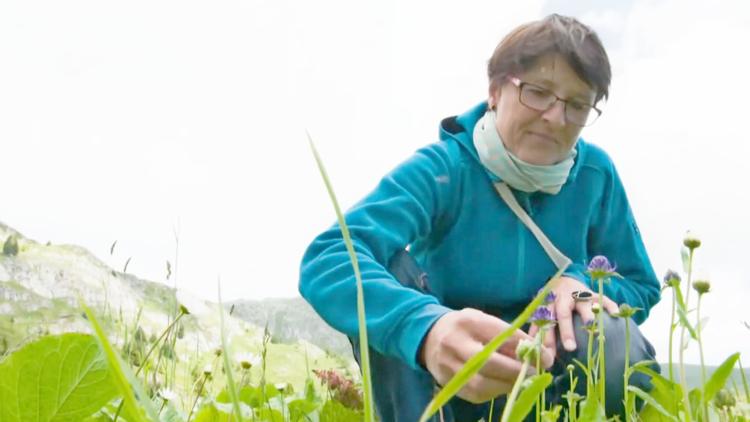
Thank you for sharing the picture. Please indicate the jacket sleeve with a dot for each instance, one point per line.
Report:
(404, 207)
(614, 234)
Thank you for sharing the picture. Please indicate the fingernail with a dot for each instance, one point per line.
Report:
(570, 345)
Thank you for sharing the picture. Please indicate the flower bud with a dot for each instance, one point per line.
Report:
(570, 367)
(184, 310)
(596, 307)
(526, 349)
(724, 399)
(691, 241)
(672, 279)
(626, 311)
(702, 286)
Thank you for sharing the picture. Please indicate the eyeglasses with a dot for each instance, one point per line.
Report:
(538, 98)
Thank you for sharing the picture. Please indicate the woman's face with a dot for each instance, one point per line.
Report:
(540, 137)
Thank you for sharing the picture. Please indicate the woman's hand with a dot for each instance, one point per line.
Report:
(563, 308)
(459, 335)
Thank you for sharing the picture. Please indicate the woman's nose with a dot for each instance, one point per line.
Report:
(555, 113)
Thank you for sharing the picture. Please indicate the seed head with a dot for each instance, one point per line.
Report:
(691, 241)
(702, 286)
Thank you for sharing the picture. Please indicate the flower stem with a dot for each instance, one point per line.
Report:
(671, 336)
(571, 403)
(626, 375)
(589, 364)
(703, 365)
(197, 396)
(145, 359)
(514, 392)
(602, 367)
(683, 379)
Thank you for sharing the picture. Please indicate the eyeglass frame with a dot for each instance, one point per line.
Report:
(520, 84)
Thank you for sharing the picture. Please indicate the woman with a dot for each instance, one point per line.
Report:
(479, 264)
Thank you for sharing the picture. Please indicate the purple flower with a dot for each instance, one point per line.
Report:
(550, 298)
(599, 267)
(671, 279)
(542, 316)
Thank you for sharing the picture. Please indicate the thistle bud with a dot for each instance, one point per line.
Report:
(702, 286)
(691, 241)
(596, 307)
(570, 367)
(672, 279)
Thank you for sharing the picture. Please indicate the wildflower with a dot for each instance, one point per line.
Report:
(167, 394)
(691, 241)
(550, 298)
(671, 279)
(599, 267)
(248, 360)
(283, 387)
(207, 370)
(702, 286)
(184, 310)
(542, 317)
(343, 389)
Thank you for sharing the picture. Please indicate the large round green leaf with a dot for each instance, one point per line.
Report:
(56, 378)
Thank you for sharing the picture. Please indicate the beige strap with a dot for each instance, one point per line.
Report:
(560, 260)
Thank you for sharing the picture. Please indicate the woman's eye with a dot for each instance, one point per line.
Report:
(538, 92)
(578, 106)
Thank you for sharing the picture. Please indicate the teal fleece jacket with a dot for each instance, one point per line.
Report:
(476, 252)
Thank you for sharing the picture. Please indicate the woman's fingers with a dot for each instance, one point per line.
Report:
(564, 308)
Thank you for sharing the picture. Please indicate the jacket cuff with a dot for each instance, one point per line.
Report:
(414, 330)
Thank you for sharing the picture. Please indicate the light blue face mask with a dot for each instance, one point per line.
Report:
(510, 169)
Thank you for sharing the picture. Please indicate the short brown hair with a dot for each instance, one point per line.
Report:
(576, 42)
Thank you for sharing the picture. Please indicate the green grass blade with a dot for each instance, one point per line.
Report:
(231, 387)
(719, 377)
(651, 401)
(475, 363)
(122, 375)
(527, 399)
(363, 343)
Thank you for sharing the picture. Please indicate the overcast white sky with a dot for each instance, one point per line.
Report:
(131, 121)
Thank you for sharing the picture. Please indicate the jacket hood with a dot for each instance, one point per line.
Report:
(461, 129)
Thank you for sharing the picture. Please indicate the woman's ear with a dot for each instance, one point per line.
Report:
(494, 99)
